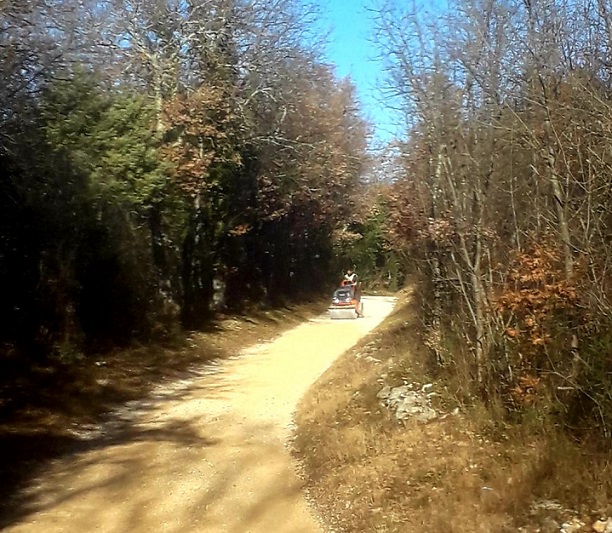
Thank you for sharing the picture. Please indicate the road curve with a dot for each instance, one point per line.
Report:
(206, 454)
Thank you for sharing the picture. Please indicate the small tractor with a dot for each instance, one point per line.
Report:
(346, 301)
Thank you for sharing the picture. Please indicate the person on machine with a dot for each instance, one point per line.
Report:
(351, 277)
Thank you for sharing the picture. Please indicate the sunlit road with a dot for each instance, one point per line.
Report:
(207, 454)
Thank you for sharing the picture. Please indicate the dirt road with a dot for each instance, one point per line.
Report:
(205, 454)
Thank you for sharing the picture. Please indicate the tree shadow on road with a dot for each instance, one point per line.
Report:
(135, 471)
(29, 455)
(52, 414)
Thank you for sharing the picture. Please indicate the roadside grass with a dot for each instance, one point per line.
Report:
(88, 385)
(467, 472)
(43, 406)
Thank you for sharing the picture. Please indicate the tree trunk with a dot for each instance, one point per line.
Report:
(198, 272)
(559, 198)
(434, 262)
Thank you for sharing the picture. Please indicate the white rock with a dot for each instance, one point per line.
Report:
(599, 526)
(603, 526)
(546, 505)
(427, 415)
(397, 394)
(384, 392)
(573, 526)
(407, 403)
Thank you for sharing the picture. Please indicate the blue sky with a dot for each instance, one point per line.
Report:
(354, 55)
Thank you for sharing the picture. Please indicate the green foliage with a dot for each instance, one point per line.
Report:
(74, 254)
(363, 245)
(141, 188)
(109, 138)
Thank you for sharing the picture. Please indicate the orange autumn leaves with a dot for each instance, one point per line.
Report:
(202, 128)
(541, 311)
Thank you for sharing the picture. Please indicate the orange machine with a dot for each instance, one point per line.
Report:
(346, 301)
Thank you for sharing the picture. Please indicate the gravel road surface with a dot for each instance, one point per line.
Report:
(204, 454)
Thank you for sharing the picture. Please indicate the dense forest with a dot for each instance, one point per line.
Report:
(504, 204)
(162, 160)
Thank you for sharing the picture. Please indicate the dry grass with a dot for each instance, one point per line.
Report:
(86, 386)
(465, 473)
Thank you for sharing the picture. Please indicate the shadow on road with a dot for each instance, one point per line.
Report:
(28, 456)
(136, 471)
(204, 452)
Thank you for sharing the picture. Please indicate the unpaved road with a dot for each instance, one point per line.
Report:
(206, 454)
